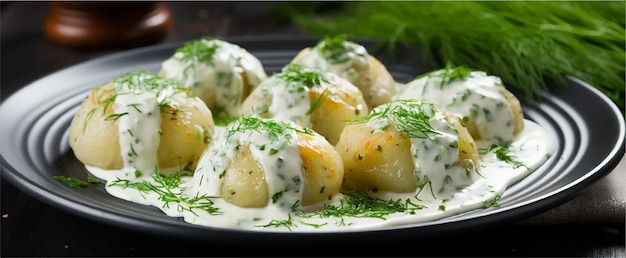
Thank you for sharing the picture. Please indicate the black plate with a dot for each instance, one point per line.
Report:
(587, 126)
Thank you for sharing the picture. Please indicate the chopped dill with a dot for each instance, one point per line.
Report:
(502, 154)
(164, 186)
(316, 103)
(493, 202)
(201, 50)
(296, 74)
(334, 48)
(411, 117)
(275, 128)
(288, 223)
(75, 182)
(357, 203)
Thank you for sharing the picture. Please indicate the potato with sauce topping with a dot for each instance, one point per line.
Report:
(489, 111)
(352, 62)
(255, 162)
(403, 145)
(222, 74)
(140, 121)
(309, 97)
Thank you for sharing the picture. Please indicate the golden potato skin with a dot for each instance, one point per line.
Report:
(376, 160)
(373, 79)
(467, 146)
(516, 108)
(342, 103)
(322, 169)
(185, 133)
(244, 182)
(93, 138)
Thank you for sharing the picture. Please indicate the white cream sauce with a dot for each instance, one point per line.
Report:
(532, 147)
(345, 63)
(478, 96)
(220, 81)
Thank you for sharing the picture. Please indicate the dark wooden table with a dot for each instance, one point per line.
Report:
(33, 228)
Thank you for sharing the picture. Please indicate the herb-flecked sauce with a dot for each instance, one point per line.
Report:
(196, 197)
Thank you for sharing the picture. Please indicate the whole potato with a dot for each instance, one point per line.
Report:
(186, 129)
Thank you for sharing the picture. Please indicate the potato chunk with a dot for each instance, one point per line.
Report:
(405, 144)
(488, 110)
(186, 128)
(376, 160)
(310, 98)
(220, 73)
(255, 162)
(352, 62)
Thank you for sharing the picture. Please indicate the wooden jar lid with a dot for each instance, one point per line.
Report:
(98, 25)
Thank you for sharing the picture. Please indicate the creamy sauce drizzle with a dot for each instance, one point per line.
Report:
(219, 78)
(532, 147)
(478, 95)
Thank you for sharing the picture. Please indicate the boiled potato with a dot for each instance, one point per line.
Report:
(256, 162)
(488, 110)
(186, 128)
(376, 160)
(323, 104)
(352, 62)
(404, 144)
(220, 73)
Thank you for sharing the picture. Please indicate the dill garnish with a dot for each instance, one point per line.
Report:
(356, 203)
(409, 116)
(521, 42)
(274, 128)
(201, 50)
(334, 49)
(502, 153)
(75, 182)
(295, 73)
(165, 186)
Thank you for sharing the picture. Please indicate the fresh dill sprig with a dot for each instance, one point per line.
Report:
(412, 117)
(299, 75)
(201, 50)
(334, 48)
(449, 73)
(75, 182)
(357, 203)
(275, 128)
(288, 223)
(317, 102)
(164, 186)
(524, 43)
(493, 202)
(502, 154)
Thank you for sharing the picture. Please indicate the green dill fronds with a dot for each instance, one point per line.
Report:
(316, 103)
(75, 182)
(528, 44)
(357, 203)
(200, 50)
(502, 154)
(412, 117)
(165, 186)
(296, 75)
(334, 48)
(275, 128)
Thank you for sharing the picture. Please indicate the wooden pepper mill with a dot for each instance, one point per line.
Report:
(99, 25)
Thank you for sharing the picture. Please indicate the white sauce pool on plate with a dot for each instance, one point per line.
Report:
(532, 147)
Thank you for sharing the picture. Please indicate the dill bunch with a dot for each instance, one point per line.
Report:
(524, 43)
